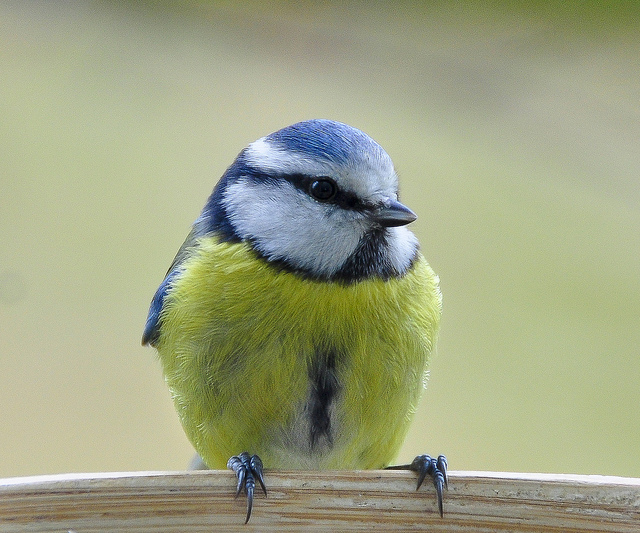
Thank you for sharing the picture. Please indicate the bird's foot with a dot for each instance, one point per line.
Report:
(247, 468)
(436, 469)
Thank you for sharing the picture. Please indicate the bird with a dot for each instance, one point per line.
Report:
(296, 323)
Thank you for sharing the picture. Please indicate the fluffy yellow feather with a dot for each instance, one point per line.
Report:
(236, 355)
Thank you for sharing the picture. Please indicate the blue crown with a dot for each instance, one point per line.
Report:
(326, 139)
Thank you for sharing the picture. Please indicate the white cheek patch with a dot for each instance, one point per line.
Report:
(285, 224)
(401, 247)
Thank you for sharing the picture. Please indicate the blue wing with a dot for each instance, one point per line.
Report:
(212, 219)
(151, 333)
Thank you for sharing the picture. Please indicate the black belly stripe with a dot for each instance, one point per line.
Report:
(324, 388)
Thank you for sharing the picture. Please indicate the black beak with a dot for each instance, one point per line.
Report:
(392, 213)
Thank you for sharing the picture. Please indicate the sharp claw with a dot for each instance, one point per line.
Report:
(443, 466)
(439, 482)
(256, 468)
(249, 490)
(419, 468)
(235, 463)
(247, 468)
(425, 465)
(440, 501)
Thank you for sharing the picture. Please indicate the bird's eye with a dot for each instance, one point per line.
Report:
(323, 189)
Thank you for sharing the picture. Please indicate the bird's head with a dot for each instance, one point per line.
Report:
(319, 198)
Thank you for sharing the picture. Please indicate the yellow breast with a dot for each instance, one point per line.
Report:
(241, 341)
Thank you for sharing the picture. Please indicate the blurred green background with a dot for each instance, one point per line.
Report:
(516, 135)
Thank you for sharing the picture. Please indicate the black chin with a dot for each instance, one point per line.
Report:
(370, 259)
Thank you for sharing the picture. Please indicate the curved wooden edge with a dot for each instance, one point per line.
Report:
(318, 501)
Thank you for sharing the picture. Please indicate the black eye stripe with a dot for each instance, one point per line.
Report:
(344, 199)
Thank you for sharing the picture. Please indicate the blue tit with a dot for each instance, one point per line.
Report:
(296, 322)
